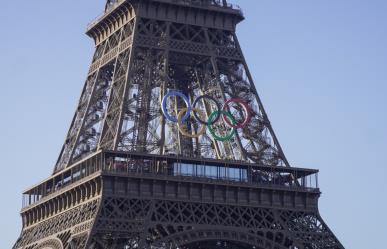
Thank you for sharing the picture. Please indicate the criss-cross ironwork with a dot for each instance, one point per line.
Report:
(127, 177)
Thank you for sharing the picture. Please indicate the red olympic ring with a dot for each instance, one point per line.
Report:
(246, 110)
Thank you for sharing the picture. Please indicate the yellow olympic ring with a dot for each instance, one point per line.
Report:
(183, 128)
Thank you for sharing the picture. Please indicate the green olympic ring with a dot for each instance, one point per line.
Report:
(211, 119)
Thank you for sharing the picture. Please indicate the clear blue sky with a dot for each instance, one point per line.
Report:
(320, 67)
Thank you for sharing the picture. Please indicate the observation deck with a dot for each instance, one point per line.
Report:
(208, 5)
(173, 169)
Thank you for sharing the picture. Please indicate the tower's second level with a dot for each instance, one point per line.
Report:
(101, 173)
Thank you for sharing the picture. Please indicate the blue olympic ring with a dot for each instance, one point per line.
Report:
(164, 106)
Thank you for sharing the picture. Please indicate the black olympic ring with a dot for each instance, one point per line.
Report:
(218, 111)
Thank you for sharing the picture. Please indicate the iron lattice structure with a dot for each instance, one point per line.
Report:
(127, 178)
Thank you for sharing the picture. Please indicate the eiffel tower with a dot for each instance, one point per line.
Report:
(170, 146)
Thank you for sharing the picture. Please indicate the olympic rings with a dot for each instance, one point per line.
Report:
(183, 131)
(212, 131)
(246, 109)
(217, 106)
(224, 111)
(164, 106)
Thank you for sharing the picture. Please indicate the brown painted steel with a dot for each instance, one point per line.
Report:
(126, 178)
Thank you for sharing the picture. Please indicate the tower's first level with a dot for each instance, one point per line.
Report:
(121, 200)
